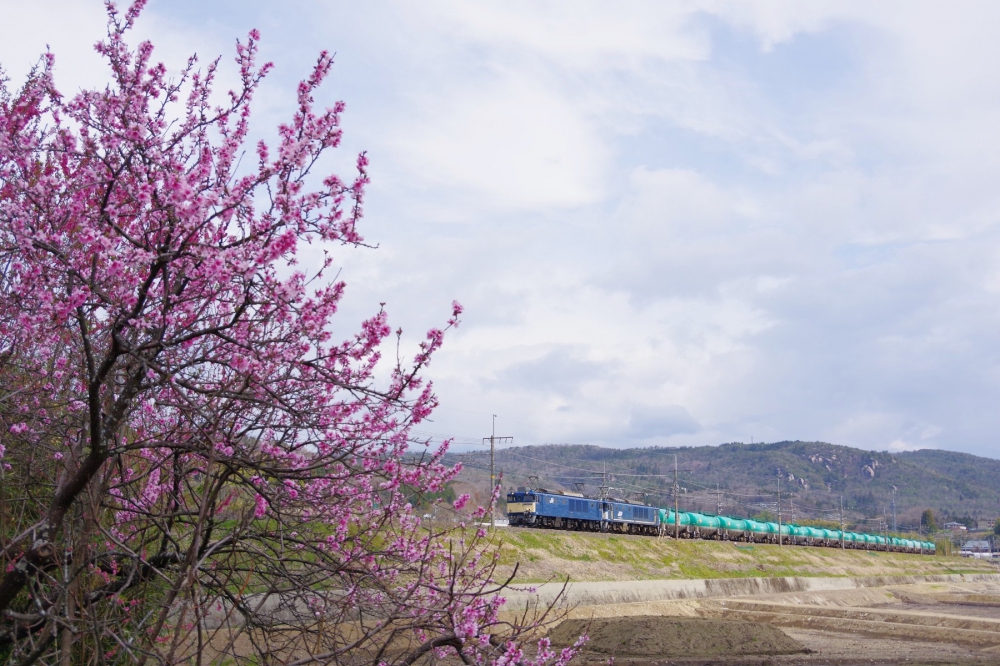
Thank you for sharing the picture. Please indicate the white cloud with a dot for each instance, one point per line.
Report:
(898, 445)
(70, 27)
(510, 142)
(779, 220)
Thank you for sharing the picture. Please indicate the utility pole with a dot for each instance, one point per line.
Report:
(493, 471)
(842, 522)
(718, 501)
(605, 492)
(779, 509)
(894, 509)
(493, 439)
(885, 522)
(677, 515)
(677, 518)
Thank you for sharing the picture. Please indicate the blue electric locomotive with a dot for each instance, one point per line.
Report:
(573, 511)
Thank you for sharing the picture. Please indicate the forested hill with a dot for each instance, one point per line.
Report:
(814, 476)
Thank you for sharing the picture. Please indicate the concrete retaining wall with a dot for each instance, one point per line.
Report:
(625, 592)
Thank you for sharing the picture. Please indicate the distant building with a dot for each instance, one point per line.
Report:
(977, 549)
(955, 527)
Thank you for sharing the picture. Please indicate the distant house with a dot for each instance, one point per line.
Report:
(955, 527)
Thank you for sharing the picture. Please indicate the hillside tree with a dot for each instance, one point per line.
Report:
(193, 468)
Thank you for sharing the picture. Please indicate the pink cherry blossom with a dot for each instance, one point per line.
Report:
(194, 459)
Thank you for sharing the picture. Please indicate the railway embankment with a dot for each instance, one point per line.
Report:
(543, 555)
(613, 593)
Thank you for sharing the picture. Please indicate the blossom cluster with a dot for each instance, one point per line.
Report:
(198, 453)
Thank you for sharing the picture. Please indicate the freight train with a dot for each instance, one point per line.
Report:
(556, 509)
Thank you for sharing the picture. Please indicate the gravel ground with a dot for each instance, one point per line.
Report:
(835, 648)
(963, 610)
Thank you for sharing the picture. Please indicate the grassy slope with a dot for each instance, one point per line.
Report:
(544, 554)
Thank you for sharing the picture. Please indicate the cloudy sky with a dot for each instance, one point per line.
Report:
(670, 223)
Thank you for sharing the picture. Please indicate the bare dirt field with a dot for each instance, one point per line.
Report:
(930, 623)
(656, 637)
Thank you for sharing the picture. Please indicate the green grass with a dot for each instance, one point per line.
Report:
(588, 556)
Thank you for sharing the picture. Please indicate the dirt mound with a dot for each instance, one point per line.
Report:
(653, 636)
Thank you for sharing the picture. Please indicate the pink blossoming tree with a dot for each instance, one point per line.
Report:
(191, 469)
